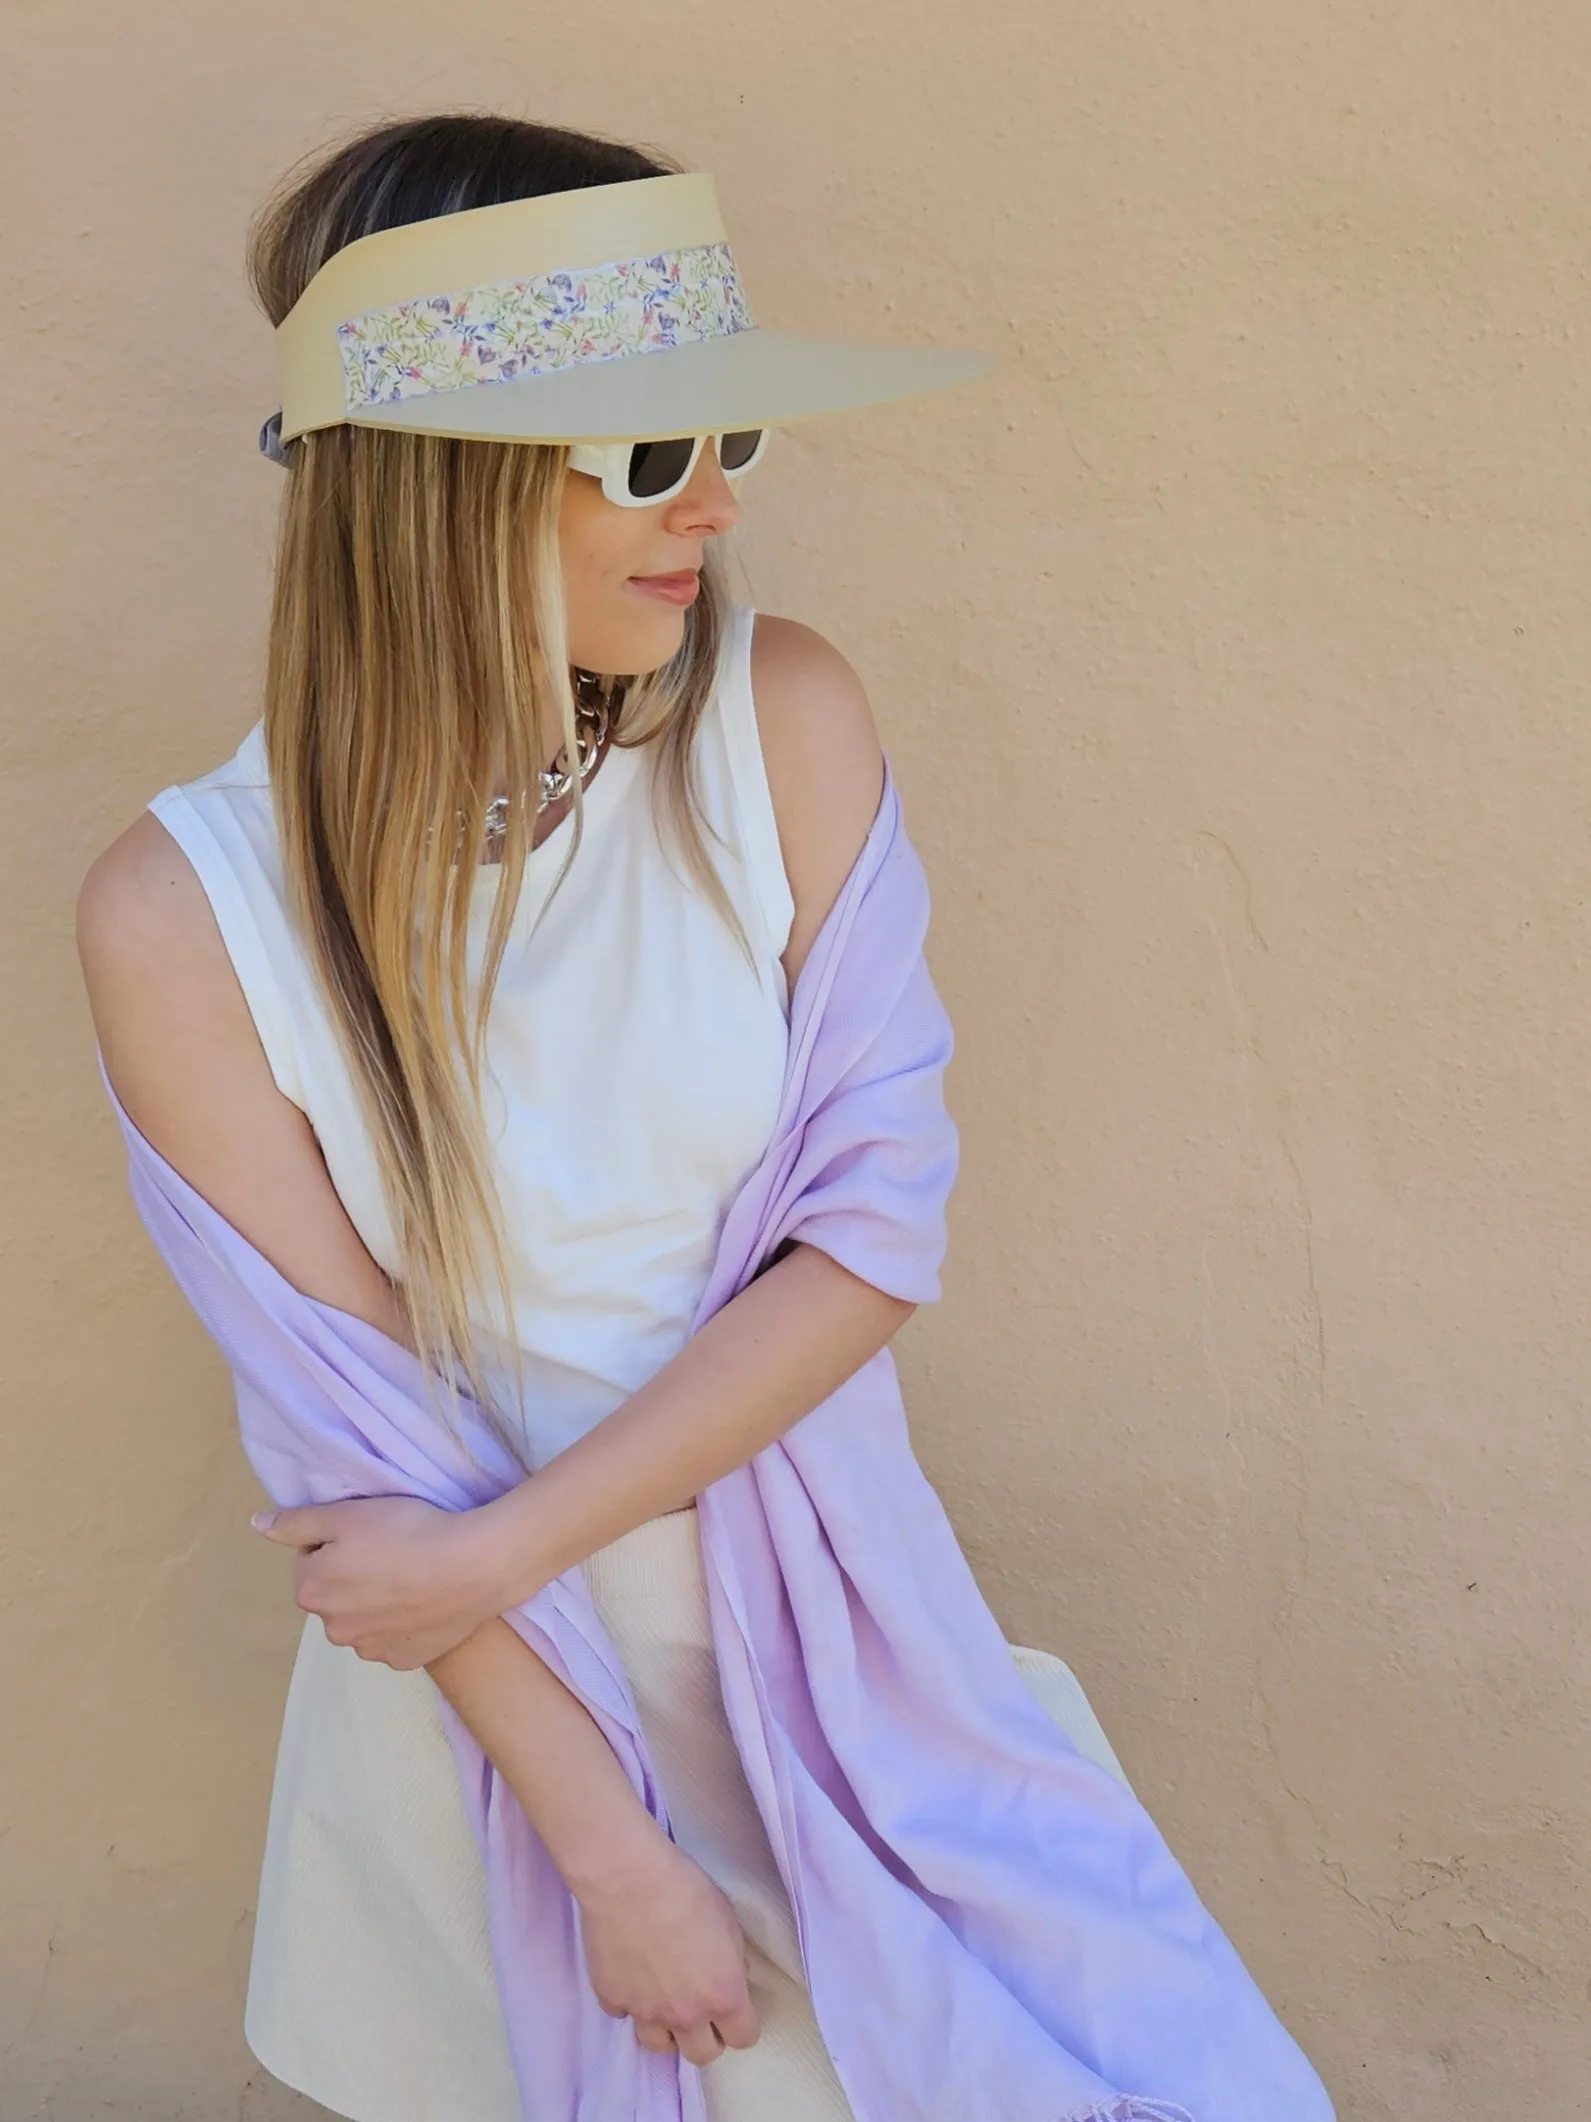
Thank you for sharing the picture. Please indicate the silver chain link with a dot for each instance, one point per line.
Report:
(593, 719)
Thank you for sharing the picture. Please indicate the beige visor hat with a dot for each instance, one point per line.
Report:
(609, 314)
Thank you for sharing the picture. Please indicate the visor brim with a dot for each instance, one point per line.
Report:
(753, 378)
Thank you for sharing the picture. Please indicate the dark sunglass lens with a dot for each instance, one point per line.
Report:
(656, 466)
(734, 451)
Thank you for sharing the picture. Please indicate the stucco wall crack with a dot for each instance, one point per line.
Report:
(1226, 907)
(18, 2039)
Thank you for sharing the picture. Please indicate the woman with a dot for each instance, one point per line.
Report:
(487, 1070)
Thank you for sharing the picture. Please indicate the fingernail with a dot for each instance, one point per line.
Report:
(263, 1520)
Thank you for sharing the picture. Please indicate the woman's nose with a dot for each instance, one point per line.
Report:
(708, 501)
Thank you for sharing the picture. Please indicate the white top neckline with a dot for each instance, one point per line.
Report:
(253, 762)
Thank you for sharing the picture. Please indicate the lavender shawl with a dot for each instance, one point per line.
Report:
(992, 1926)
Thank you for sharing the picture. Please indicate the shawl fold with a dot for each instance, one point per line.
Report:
(993, 1929)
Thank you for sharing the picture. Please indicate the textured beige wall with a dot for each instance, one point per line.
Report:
(1229, 645)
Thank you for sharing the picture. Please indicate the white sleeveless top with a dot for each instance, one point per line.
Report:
(634, 1058)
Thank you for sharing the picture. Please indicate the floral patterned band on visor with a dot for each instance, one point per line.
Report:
(554, 320)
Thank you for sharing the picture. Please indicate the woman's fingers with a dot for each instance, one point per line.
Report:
(698, 2043)
(704, 2039)
(737, 2025)
(304, 1525)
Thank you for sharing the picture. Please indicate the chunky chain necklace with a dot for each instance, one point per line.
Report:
(593, 721)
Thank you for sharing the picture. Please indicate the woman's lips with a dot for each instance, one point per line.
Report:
(673, 589)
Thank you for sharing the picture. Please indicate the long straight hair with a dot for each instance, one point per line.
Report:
(417, 641)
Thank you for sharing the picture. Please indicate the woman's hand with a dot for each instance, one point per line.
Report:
(664, 1947)
(393, 1578)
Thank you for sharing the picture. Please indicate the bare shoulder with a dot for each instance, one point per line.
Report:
(824, 760)
(182, 1054)
(174, 1029)
(145, 932)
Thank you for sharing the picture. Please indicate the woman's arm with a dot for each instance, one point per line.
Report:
(180, 1048)
(768, 1357)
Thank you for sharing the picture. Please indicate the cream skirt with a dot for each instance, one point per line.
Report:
(371, 1986)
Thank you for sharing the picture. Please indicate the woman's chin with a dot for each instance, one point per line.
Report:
(642, 639)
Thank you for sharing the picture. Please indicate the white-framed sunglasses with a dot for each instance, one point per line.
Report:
(641, 474)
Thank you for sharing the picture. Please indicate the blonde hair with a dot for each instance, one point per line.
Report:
(417, 642)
